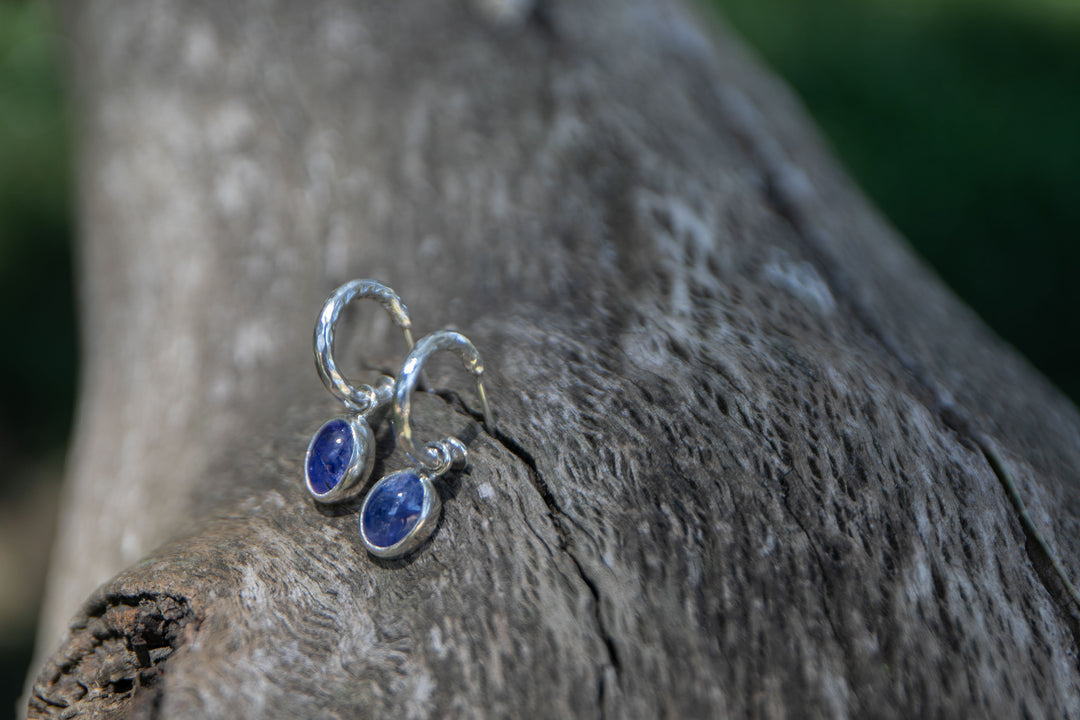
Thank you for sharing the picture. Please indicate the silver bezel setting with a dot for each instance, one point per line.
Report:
(429, 518)
(360, 464)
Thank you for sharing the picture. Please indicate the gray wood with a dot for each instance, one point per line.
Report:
(753, 459)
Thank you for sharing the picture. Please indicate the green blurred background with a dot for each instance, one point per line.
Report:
(37, 322)
(961, 119)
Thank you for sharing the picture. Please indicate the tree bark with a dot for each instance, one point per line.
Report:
(752, 458)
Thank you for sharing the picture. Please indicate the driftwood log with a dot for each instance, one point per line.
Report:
(751, 458)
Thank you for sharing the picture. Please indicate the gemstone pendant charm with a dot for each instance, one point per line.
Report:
(399, 513)
(339, 458)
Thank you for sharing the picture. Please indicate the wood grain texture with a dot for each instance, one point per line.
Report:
(752, 458)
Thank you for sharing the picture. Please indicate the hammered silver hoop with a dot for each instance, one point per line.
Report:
(362, 398)
(437, 456)
(341, 454)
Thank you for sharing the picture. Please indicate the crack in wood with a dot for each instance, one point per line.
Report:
(557, 516)
(1047, 566)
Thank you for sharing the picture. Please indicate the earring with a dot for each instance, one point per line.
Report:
(402, 509)
(342, 452)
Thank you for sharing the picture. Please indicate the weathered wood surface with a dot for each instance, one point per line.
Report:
(753, 459)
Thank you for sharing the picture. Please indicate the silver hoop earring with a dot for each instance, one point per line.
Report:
(401, 510)
(341, 453)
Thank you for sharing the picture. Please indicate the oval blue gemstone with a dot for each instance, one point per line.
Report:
(331, 453)
(392, 509)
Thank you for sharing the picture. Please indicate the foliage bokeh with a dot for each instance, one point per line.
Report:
(37, 321)
(961, 120)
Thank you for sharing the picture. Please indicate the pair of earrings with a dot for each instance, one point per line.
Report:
(401, 509)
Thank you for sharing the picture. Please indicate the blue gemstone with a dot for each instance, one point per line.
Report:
(392, 509)
(331, 453)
